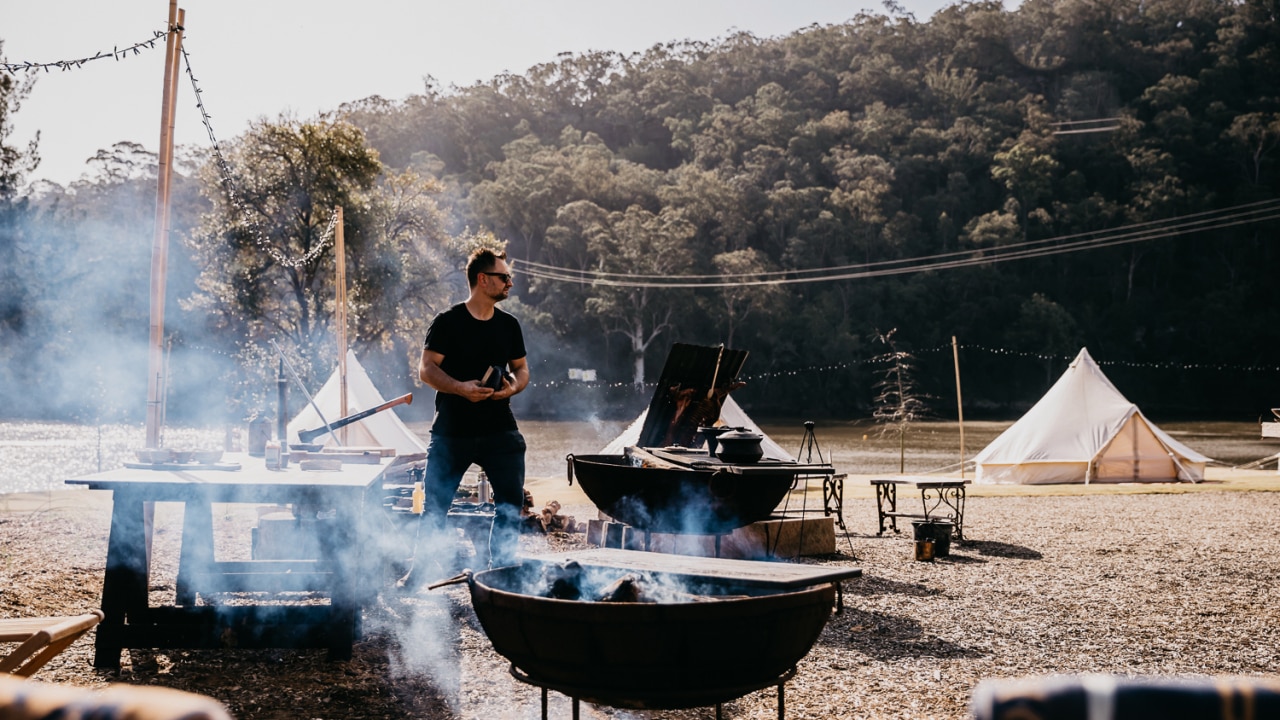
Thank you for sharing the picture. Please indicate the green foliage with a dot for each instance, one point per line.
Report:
(862, 145)
(268, 263)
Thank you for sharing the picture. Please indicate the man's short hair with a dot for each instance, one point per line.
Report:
(482, 260)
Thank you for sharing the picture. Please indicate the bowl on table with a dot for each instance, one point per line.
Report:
(207, 457)
(154, 456)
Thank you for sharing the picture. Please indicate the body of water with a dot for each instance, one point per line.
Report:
(41, 456)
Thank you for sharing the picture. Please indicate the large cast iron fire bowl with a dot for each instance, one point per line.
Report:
(647, 655)
(680, 500)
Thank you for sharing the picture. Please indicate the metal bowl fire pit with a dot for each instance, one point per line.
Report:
(731, 639)
(708, 500)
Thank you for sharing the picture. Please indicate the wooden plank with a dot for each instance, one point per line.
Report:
(921, 482)
(747, 572)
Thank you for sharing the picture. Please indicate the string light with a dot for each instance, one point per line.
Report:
(233, 198)
(224, 168)
(116, 53)
(852, 364)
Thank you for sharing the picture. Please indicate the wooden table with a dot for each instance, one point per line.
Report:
(341, 571)
(940, 499)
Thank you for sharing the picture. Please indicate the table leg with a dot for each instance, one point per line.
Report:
(833, 494)
(887, 494)
(125, 582)
(196, 555)
(957, 504)
(353, 582)
(951, 498)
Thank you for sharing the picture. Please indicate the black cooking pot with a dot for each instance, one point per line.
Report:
(740, 446)
(712, 435)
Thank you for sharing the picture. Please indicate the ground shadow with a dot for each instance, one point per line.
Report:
(999, 549)
(956, 558)
(868, 585)
(888, 637)
(408, 663)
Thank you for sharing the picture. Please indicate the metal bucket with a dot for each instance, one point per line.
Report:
(939, 531)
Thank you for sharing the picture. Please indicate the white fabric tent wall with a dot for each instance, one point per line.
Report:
(382, 429)
(731, 415)
(1083, 430)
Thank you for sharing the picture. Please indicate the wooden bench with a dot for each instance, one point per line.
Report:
(940, 499)
(41, 639)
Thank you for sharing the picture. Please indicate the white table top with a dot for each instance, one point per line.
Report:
(253, 471)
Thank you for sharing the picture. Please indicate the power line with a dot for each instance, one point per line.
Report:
(1261, 205)
(1139, 232)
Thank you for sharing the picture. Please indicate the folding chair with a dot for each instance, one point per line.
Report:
(41, 639)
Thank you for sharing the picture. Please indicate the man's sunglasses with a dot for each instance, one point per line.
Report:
(505, 277)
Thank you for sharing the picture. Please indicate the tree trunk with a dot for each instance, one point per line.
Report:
(637, 356)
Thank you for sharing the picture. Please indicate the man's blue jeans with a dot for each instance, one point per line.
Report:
(501, 457)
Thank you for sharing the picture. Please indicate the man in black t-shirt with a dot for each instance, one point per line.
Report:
(473, 422)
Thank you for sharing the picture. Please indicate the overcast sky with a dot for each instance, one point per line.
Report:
(261, 58)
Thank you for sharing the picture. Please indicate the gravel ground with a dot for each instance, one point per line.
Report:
(1142, 584)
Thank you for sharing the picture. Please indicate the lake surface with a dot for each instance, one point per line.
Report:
(40, 456)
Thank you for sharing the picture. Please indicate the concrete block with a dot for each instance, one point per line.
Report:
(696, 545)
(595, 532)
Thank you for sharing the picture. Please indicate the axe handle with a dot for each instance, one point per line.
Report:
(307, 436)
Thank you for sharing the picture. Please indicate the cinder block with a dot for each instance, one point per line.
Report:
(613, 534)
(697, 545)
(632, 539)
(595, 532)
(281, 536)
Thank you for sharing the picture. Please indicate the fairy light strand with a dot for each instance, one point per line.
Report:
(116, 53)
(852, 364)
(224, 168)
(237, 205)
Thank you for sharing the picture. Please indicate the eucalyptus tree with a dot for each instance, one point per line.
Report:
(651, 248)
(747, 291)
(535, 179)
(267, 249)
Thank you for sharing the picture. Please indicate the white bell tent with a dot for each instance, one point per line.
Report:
(382, 429)
(731, 415)
(1083, 430)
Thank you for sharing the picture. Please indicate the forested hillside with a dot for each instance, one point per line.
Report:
(1074, 173)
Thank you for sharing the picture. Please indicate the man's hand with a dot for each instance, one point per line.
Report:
(475, 392)
(508, 389)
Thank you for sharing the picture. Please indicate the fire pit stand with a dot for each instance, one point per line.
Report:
(726, 628)
(672, 701)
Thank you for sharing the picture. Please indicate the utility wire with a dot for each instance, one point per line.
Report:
(1259, 206)
(1139, 232)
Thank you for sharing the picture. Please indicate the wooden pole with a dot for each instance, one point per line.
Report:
(955, 354)
(340, 315)
(160, 241)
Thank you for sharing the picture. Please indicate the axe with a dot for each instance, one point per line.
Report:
(307, 436)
